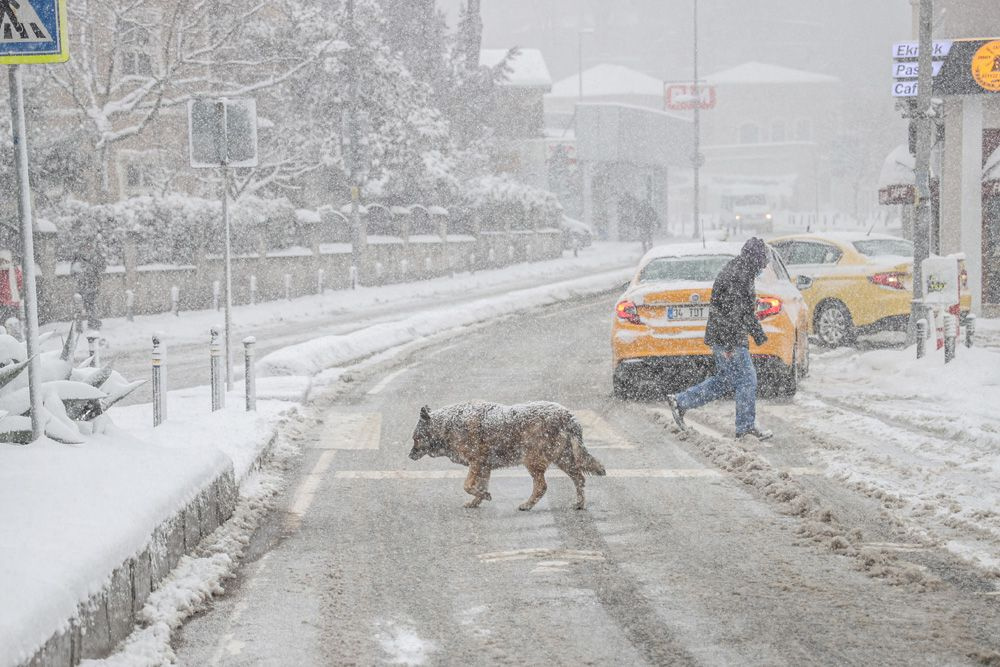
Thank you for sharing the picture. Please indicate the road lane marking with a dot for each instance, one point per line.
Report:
(895, 546)
(541, 553)
(349, 430)
(306, 492)
(598, 433)
(627, 473)
(377, 389)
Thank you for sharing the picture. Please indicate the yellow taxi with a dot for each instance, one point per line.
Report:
(855, 283)
(659, 322)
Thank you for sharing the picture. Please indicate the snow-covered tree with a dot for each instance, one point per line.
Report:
(136, 62)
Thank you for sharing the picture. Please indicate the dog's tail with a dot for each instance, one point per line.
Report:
(585, 462)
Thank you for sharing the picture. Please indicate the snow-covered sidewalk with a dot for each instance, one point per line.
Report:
(920, 435)
(70, 515)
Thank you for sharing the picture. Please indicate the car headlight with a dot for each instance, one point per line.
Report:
(767, 216)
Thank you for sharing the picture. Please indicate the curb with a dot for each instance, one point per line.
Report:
(110, 616)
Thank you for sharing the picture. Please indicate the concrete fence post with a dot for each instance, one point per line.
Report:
(921, 338)
(320, 275)
(175, 300)
(216, 295)
(159, 390)
(253, 290)
(352, 277)
(249, 374)
(217, 375)
(288, 287)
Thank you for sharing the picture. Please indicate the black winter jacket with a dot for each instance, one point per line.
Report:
(732, 314)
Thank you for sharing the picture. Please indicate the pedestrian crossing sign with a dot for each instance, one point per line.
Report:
(33, 31)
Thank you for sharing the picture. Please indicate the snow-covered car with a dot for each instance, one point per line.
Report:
(855, 282)
(575, 233)
(659, 322)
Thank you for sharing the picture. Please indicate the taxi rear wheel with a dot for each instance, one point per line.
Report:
(788, 381)
(834, 325)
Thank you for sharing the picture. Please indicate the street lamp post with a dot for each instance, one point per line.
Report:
(696, 158)
(921, 171)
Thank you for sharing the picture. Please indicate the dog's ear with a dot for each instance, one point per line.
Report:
(425, 414)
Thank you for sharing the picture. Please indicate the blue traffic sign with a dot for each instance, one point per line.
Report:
(33, 31)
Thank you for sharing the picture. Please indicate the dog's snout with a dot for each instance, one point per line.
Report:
(414, 454)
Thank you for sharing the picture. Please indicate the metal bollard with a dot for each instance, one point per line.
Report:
(217, 376)
(249, 375)
(352, 277)
(253, 290)
(320, 275)
(921, 338)
(159, 391)
(950, 339)
(92, 349)
(970, 329)
(130, 305)
(288, 287)
(216, 295)
(78, 312)
(175, 300)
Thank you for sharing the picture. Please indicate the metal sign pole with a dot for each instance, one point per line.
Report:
(20, 137)
(229, 277)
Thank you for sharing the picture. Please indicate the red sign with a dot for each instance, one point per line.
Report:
(896, 194)
(685, 97)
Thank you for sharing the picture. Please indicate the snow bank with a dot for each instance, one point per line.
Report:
(70, 515)
(919, 434)
(319, 354)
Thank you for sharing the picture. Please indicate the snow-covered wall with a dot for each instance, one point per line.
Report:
(385, 260)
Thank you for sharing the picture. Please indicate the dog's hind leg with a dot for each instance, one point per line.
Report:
(573, 472)
(476, 484)
(538, 489)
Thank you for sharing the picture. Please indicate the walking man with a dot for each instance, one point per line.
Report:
(732, 321)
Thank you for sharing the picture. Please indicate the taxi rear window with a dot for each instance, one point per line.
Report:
(701, 268)
(878, 247)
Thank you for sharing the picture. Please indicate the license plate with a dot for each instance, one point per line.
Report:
(687, 312)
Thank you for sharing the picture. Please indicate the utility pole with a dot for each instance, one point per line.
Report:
(358, 235)
(925, 128)
(697, 159)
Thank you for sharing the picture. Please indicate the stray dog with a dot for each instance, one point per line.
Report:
(485, 436)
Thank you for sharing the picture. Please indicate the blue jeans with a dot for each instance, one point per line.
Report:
(735, 374)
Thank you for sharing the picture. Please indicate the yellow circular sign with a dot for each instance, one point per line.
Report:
(986, 66)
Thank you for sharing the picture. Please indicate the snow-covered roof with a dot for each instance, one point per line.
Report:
(529, 68)
(756, 72)
(898, 168)
(693, 249)
(608, 80)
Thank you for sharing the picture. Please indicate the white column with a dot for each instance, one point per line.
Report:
(972, 195)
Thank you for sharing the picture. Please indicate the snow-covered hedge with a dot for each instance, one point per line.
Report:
(171, 229)
(497, 200)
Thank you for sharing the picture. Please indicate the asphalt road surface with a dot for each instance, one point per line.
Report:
(684, 555)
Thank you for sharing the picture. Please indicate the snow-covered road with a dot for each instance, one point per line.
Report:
(694, 550)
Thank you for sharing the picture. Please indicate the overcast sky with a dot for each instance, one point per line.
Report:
(847, 38)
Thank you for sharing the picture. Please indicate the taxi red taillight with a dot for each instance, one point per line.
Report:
(893, 279)
(627, 311)
(767, 306)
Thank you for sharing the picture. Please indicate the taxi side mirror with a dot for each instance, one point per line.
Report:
(803, 282)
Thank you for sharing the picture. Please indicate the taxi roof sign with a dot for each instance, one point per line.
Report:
(33, 31)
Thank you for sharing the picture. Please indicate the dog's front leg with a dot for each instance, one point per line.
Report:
(476, 483)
